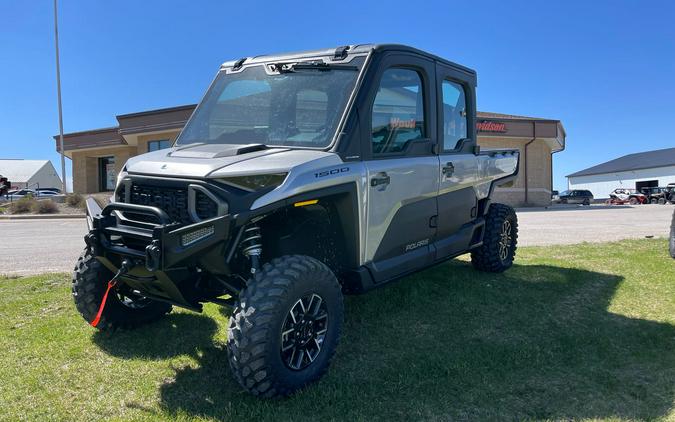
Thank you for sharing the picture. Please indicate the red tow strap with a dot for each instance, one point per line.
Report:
(96, 320)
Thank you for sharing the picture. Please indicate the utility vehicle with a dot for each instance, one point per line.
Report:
(620, 196)
(299, 177)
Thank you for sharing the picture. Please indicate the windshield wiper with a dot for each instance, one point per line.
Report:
(320, 66)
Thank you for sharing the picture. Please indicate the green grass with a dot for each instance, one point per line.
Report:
(573, 332)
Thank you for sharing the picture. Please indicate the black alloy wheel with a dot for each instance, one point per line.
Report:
(303, 332)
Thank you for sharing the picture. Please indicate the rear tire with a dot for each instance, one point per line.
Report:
(499, 241)
(90, 280)
(662, 201)
(586, 202)
(285, 326)
(633, 201)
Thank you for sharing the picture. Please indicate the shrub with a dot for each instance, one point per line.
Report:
(75, 200)
(22, 206)
(46, 206)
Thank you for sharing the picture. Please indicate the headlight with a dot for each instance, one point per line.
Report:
(255, 182)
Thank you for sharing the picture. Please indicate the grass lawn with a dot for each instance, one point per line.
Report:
(572, 332)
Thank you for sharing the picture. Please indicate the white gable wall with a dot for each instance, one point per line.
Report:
(602, 184)
(46, 177)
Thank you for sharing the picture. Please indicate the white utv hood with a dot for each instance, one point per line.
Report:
(223, 160)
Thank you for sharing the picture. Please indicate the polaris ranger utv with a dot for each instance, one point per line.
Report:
(299, 177)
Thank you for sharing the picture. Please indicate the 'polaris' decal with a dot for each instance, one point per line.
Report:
(331, 172)
(415, 245)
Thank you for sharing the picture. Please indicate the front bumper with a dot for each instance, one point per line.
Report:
(163, 252)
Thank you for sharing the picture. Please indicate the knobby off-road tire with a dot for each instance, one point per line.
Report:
(499, 241)
(262, 324)
(90, 280)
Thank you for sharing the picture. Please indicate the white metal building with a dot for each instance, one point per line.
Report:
(633, 171)
(30, 174)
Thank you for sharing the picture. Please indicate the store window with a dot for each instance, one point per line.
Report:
(107, 176)
(159, 144)
(454, 115)
(398, 111)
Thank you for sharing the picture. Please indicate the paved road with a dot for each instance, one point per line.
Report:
(38, 246)
(597, 223)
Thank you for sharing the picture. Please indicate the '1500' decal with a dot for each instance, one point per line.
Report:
(331, 172)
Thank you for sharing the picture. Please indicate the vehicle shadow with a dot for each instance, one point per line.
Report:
(536, 342)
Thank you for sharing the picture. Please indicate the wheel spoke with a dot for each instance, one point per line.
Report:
(314, 309)
(301, 356)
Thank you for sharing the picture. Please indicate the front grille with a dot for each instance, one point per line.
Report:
(171, 200)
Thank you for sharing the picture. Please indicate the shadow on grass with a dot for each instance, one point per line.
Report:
(449, 343)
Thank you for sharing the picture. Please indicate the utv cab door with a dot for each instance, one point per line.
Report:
(402, 169)
(457, 202)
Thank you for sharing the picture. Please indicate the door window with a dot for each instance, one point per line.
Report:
(398, 111)
(454, 115)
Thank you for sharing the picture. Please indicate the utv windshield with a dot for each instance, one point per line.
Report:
(301, 105)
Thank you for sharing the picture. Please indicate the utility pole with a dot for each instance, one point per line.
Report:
(58, 93)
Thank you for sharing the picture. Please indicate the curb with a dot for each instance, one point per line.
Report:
(40, 216)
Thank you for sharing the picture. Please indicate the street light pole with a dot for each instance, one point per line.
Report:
(58, 93)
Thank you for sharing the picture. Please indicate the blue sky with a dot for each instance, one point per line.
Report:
(605, 68)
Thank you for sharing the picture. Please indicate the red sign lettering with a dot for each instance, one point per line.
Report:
(487, 126)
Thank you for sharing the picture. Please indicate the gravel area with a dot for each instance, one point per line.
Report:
(39, 246)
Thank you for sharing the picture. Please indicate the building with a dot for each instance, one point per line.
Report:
(30, 174)
(633, 171)
(98, 155)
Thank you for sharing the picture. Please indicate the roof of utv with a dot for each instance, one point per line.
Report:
(350, 49)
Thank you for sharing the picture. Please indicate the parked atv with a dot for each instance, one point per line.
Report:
(298, 178)
(623, 196)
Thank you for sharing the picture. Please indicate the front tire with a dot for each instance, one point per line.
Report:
(285, 326)
(122, 310)
(499, 241)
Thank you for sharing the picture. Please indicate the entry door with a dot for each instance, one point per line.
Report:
(402, 171)
(457, 203)
(107, 174)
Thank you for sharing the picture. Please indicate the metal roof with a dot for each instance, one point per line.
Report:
(20, 171)
(637, 161)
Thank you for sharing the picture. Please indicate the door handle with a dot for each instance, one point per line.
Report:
(380, 179)
(448, 170)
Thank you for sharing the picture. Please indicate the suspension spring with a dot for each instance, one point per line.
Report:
(251, 246)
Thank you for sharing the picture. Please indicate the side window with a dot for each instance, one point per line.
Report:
(454, 114)
(398, 111)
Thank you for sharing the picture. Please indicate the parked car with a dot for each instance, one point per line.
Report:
(576, 196)
(55, 191)
(276, 210)
(16, 194)
(555, 196)
(622, 196)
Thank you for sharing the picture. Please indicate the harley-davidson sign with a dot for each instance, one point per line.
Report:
(487, 126)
